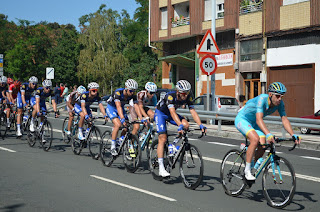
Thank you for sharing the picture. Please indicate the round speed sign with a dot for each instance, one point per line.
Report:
(208, 65)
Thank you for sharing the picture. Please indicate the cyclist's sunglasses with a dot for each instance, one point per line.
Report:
(34, 84)
(184, 93)
(151, 93)
(47, 88)
(94, 90)
(131, 91)
(278, 95)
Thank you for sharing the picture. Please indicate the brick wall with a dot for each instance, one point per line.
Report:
(295, 15)
(180, 30)
(207, 24)
(251, 23)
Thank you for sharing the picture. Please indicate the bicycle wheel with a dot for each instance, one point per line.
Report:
(76, 144)
(105, 149)
(47, 136)
(153, 160)
(232, 173)
(65, 137)
(94, 140)
(279, 182)
(131, 154)
(191, 166)
(3, 124)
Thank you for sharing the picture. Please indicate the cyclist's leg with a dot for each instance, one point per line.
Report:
(262, 140)
(19, 115)
(149, 112)
(71, 115)
(134, 117)
(160, 119)
(34, 113)
(112, 113)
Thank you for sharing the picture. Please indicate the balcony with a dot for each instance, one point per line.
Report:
(250, 8)
(180, 21)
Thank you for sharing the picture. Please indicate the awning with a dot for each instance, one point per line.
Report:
(179, 60)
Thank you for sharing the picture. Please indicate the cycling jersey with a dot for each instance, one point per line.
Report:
(118, 96)
(84, 98)
(28, 92)
(39, 93)
(73, 97)
(246, 118)
(142, 97)
(14, 91)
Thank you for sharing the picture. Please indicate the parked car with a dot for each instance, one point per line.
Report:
(305, 130)
(222, 103)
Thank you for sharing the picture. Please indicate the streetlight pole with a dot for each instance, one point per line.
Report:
(213, 76)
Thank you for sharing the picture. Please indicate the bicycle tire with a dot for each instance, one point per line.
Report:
(153, 160)
(233, 173)
(65, 138)
(76, 144)
(31, 137)
(94, 140)
(26, 125)
(105, 149)
(289, 179)
(47, 135)
(131, 160)
(3, 124)
(192, 180)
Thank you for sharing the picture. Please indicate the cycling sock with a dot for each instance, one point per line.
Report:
(160, 161)
(248, 167)
(8, 120)
(113, 144)
(18, 127)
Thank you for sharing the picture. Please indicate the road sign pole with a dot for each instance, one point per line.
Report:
(213, 77)
(208, 96)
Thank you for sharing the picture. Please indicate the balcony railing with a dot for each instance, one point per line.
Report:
(180, 21)
(251, 8)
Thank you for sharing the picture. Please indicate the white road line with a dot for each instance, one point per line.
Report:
(192, 139)
(223, 144)
(133, 188)
(313, 158)
(5, 149)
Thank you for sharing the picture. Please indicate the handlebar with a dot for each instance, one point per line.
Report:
(278, 140)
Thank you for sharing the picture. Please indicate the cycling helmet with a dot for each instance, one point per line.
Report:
(277, 87)
(131, 84)
(17, 84)
(9, 81)
(151, 87)
(93, 85)
(183, 86)
(81, 89)
(33, 79)
(3, 79)
(47, 83)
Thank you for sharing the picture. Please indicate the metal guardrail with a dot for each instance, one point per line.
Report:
(221, 116)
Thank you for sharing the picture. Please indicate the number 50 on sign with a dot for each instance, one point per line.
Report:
(208, 65)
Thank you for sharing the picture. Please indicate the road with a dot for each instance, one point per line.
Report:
(58, 180)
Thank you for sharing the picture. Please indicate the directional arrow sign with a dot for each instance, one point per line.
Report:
(208, 45)
(49, 73)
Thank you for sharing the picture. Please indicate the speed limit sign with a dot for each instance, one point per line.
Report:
(208, 65)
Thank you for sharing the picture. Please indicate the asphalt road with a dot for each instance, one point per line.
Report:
(34, 180)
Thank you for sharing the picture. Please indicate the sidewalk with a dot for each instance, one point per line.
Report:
(311, 142)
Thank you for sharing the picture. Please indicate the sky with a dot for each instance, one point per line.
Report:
(60, 11)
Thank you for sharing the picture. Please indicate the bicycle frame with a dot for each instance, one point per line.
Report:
(147, 137)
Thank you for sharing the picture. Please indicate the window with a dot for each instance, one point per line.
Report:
(164, 18)
(208, 9)
(287, 2)
(181, 15)
(251, 50)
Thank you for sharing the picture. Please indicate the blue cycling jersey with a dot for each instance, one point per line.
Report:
(171, 100)
(118, 96)
(86, 99)
(40, 93)
(260, 104)
(27, 90)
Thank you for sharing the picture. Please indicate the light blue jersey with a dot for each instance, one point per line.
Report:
(246, 118)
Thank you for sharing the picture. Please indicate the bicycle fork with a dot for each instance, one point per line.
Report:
(273, 164)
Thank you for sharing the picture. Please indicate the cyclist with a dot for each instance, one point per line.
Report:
(249, 122)
(82, 107)
(12, 94)
(145, 98)
(23, 99)
(116, 112)
(38, 101)
(166, 111)
(71, 100)
(3, 89)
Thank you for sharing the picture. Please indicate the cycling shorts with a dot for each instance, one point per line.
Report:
(244, 126)
(43, 106)
(161, 119)
(19, 101)
(78, 109)
(112, 112)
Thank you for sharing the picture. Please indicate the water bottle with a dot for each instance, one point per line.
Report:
(176, 140)
(40, 125)
(142, 136)
(170, 148)
(242, 146)
(258, 163)
(87, 131)
(25, 118)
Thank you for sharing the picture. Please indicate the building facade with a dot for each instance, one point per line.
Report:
(260, 42)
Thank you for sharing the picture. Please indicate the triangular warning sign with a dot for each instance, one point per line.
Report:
(208, 45)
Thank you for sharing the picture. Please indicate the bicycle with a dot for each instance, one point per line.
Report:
(75, 122)
(129, 148)
(277, 172)
(92, 139)
(3, 120)
(26, 119)
(12, 120)
(43, 132)
(189, 157)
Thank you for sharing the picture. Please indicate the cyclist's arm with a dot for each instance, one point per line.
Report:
(119, 109)
(103, 111)
(261, 124)
(287, 125)
(175, 116)
(83, 107)
(23, 98)
(195, 116)
(143, 113)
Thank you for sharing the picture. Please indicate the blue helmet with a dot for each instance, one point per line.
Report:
(277, 87)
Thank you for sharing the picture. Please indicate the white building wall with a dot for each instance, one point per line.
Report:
(298, 55)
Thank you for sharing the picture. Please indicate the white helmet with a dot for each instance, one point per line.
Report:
(33, 79)
(93, 85)
(47, 83)
(81, 89)
(131, 84)
(151, 87)
(3, 79)
(183, 86)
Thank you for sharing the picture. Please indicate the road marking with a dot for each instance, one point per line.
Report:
(222, 144)
(313, 158)
(5, 149)
(133, 188)
(192, 139)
